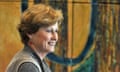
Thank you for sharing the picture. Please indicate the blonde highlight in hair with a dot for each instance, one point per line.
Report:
(43, 14)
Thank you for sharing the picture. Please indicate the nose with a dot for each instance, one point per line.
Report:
(54, 36)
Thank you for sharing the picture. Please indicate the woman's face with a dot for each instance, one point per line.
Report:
(44, 40)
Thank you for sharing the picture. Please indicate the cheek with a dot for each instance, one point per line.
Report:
(43, 37)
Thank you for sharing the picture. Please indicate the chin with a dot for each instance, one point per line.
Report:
(52, 49)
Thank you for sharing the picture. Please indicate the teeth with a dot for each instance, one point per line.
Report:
(52, 43)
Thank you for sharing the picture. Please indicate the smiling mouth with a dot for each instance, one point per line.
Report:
(52, 43)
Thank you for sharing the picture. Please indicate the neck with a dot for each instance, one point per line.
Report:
(40, 54)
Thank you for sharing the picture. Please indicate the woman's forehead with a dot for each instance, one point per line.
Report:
(55, 25)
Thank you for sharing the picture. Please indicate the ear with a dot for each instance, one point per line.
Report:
(29, 35)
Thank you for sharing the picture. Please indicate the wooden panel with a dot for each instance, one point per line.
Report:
(81, 27)
(78, 29)
(9, 38)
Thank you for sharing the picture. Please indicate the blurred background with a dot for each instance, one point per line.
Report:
(89, 39)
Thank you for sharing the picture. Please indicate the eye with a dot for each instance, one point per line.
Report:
(56, 31)
(51, 30)
(48, 30)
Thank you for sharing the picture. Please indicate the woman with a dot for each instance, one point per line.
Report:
(38, 30)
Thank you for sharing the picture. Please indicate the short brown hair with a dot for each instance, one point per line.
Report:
(39, 15)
